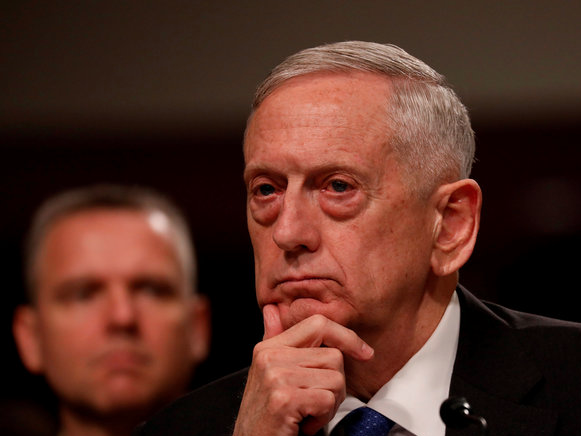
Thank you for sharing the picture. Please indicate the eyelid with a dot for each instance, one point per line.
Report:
(255, 191)
(349, 181)
(74, 289)
(256, 182)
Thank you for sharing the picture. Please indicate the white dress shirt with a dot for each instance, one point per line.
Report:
(413, 396)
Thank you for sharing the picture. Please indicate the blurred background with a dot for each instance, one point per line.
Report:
(157, 93)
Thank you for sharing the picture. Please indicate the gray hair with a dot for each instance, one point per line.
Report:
(110, 197)
(430, 128)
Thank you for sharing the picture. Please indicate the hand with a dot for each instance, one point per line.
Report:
(296, 378)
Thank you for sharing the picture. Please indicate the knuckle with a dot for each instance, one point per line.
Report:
(335, 356)
(327, 400)
(339, 384)
(257, 349)
(279, 399)
(274, 376)
(261, 356)
(319, 322)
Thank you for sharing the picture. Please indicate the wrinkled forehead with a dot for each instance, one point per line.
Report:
(349, 100)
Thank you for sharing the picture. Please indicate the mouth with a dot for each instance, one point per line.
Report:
(306, 286)
(290, 288)
(122, 360)
(301, 279)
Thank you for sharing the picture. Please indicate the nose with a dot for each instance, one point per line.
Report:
(122, 310)
(296, 227)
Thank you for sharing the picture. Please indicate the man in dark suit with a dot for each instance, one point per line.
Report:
(361, 214)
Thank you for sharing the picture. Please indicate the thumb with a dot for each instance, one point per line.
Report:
(272, 324)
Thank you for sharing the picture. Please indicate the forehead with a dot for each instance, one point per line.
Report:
(134, 223)
(346, 110)
(356, 88)
(105, 239)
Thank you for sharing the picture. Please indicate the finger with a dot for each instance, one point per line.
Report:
(272, 323)
(318, 330)
(266, 356)
(321, 379)
(318, 410)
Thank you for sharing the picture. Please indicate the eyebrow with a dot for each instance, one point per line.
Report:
(325, 167)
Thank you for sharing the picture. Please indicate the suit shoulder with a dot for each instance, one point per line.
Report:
(549, 338)
(534, 323)
(208, 410)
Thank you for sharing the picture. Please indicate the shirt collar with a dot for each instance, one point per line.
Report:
(413, 396)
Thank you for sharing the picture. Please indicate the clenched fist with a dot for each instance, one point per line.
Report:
(296, 380)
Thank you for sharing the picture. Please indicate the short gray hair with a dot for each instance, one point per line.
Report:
(431, 131)
(109, 197)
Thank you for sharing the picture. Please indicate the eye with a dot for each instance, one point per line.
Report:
(264, 195)
(157, 288)
(266, 189)
(342, 196)
(339, 185)
(83, 293)
(78, 291)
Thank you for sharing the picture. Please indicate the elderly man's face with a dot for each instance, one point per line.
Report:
(333, 228)
(115, 327)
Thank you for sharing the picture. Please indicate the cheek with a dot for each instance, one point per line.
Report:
(164, 329)
(264, 247)
(368, 250)
(263, 212)
(78, 330)
(67, 349)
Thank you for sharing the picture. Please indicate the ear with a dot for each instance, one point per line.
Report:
(200, 330)
(26, 335)
(458, 219)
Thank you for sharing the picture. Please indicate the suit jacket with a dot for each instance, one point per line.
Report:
(522, 372)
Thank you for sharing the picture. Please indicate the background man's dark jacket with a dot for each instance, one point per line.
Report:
(521, 372)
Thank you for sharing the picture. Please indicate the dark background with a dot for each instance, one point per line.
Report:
(156, 93)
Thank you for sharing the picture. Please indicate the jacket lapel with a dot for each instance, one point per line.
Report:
(495, 374)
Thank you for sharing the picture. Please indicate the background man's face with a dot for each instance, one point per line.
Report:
(333, 228)
(114, 315)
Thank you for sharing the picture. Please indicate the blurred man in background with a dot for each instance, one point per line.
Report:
(114, 321)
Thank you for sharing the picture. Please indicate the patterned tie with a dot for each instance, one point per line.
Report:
(363, 421)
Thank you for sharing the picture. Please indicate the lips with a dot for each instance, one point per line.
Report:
(306, 280)
(301, 278)
(307, 286)
(122, 360)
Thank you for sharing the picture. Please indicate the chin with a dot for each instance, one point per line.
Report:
(119, 403)
(304, 308)
(125, 391)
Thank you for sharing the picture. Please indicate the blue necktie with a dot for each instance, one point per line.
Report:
(363, 421)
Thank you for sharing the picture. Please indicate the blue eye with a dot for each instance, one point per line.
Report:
(339, 186)
(266, 189)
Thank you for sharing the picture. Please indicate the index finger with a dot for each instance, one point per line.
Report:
(318, 330)
(272, 324)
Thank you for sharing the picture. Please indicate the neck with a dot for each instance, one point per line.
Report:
(87, 424)
(395, 345)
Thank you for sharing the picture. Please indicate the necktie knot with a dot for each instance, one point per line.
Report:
(363, 421)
